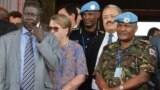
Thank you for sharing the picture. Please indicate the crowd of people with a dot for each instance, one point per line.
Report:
(73, 53)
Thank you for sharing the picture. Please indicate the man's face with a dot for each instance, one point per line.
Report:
(15, 20)
(30, 16)
(126, 31)
(108, 16)
(64, 12)
(90, 18)
(156, 33)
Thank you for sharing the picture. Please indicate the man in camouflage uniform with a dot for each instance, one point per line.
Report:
(127, 63)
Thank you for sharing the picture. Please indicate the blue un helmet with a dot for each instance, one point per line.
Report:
(90, 6)
(127, 17)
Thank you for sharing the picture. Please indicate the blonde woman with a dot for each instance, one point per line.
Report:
(73, 70)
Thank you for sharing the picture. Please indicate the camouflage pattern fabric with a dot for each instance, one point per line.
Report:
(139, 57)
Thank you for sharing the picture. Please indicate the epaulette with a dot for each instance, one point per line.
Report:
(100, 31)
(80, 31)
(97, 32)
(145, 41)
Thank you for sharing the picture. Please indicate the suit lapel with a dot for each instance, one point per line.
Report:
(17, 44)
(14, 55)
(17, 41)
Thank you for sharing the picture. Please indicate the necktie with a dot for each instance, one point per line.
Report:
(110, 38)
(29, 65)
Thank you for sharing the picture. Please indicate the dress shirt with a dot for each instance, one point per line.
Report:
(24, 39)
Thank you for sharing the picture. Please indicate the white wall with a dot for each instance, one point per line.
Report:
(12, 5)
(143, 27)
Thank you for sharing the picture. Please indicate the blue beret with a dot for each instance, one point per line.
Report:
(127, 17)
(92, 5)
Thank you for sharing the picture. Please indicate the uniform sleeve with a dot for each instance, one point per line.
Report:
(101, 63)
(81, 66)
(148, 63)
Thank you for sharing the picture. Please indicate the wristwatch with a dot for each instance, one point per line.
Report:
(121, 87)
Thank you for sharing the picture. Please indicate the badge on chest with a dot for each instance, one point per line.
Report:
(118, 72)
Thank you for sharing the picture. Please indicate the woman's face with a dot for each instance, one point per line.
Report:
(57, 30)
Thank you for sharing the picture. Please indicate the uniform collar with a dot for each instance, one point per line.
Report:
(117, 44)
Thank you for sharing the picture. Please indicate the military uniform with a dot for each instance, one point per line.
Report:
(139, 57)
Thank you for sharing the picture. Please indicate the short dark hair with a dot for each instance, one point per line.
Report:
(15, 14)
(33, 3)
(152, 31)
(70, 8)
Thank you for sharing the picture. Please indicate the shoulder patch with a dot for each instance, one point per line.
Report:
(152, 52)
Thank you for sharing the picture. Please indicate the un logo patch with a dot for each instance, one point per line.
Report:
(126, 20)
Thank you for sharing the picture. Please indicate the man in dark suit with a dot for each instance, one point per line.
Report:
(23, 67)
(156, 43)
(89, 37)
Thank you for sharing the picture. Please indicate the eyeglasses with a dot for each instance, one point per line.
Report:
(55, 29)
(30, 14)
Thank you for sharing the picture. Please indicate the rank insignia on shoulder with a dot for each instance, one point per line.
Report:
(152, 52)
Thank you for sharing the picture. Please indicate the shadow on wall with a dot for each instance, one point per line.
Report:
(48, 7)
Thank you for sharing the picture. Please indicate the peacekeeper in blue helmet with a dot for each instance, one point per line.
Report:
(89, 37)
(128, 63)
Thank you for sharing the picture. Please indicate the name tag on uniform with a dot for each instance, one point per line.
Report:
(118, 72)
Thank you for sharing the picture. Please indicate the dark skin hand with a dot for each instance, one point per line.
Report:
(37, 32)
(140, 79)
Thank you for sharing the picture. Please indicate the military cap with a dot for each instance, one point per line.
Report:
(90, 6)
(127, 17)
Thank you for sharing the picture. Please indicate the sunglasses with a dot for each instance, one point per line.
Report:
(55, 29)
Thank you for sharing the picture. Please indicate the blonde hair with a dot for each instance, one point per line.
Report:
(62, 20)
